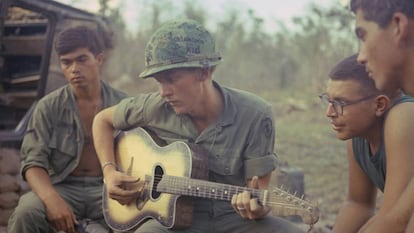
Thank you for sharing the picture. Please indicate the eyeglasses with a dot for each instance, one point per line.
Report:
(338, 105)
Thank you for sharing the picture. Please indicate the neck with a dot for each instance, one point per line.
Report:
(375, 137)
(408, 80)
(90, 93)
(406, 71)
(211, 106)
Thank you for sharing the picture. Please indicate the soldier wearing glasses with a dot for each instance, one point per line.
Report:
(360, 112)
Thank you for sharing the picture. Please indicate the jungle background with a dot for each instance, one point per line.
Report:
(288, 68)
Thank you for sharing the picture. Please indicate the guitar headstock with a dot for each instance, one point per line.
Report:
(284, 203)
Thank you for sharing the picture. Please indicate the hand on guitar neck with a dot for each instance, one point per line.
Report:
(247, 206)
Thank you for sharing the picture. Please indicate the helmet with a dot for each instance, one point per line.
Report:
(178, 44)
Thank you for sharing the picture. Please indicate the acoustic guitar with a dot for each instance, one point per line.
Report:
(171, 176)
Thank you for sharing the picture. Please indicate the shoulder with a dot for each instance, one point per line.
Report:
(402, 107)
(143, 99)
(55, 97)
(113, 92)
(245, 99)
(51, 104)
(399, 121)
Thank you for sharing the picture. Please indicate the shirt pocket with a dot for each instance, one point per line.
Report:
(63, 146)
(225, 162)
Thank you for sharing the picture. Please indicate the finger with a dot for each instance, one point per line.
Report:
(254, 183)
(60, 225)
(119, 191)
(245, 200)
(255, 205)
(70, 226)
(130, 179)
(234, 200)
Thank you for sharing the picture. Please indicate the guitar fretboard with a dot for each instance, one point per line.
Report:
(205, 189)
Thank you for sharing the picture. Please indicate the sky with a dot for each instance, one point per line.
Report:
(270, 10)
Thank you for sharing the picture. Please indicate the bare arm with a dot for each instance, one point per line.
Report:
(360, 202)
(103, 138)
(59, 214)
(398, 203)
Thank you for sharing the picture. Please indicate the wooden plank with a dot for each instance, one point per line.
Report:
(24, 45)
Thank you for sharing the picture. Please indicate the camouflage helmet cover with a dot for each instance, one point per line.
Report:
(178, 44)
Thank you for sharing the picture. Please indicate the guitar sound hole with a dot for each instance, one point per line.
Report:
(158, 173)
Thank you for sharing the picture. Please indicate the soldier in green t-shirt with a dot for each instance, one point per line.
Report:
(385, 29)
(364, 117)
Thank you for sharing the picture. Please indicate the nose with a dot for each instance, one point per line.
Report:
(165, 90)
(74, 68)
(361, 58)
(330, 111)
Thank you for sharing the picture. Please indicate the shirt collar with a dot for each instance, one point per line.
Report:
(228, 116)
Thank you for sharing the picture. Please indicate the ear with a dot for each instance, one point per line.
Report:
(401, 30)
(205, 73)
(383, 102)
(100, 58)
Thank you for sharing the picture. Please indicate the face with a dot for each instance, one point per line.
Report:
(181, 88)
(350, 124)
(378, 51)
(81, 67)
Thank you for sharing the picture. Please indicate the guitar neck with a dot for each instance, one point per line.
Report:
(205, 189)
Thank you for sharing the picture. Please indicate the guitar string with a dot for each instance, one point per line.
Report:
(297, 202)
(283, 208)
(192, 183)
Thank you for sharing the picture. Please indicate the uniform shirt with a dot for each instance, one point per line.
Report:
(240, 143)
(54, 136)
(375, 166)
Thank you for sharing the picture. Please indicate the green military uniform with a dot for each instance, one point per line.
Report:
(240, 142)
(240, 145)
(54, 141)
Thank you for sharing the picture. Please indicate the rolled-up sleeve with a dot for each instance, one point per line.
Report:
(260, 166)
(128, 113)
(34, 149)
(260, 158)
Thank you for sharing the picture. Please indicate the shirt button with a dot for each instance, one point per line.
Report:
(226, 170)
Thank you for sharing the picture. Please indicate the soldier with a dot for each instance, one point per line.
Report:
(372, 166)
(59, 158)
(385, 29)
(235, 127)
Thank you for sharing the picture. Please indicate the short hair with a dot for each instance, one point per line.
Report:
(79, 37)
(350, 69)
(381, 11)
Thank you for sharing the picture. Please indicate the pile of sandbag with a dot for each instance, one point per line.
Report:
(11, 184)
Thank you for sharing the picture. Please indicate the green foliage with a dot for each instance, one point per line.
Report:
(254, 59)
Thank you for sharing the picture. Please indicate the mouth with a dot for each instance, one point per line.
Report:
(369, 72)
(336, 127)
(172, 103)
(76, 79)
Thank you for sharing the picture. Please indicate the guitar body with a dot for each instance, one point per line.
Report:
(138, 155)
